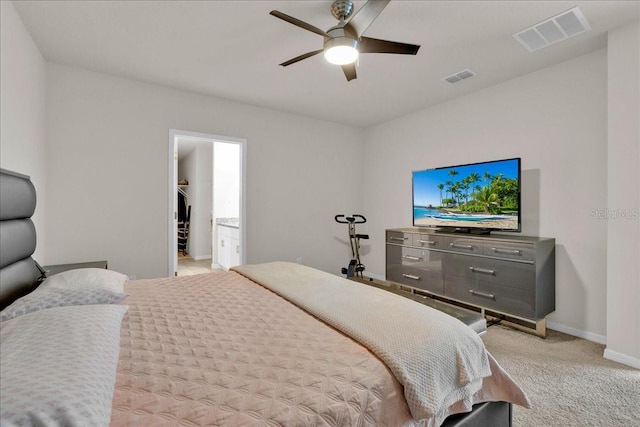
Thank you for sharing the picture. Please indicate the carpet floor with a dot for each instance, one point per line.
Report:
(567, 380)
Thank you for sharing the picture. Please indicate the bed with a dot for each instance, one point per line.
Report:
(274, 344)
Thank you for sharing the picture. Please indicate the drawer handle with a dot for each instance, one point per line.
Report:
(507, 251)
(455, 245)
(482, 270)
(411, 276)
(482, 294)
(412, 258)
(402, 239)
(427, 242)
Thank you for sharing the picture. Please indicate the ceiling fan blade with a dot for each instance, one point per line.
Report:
(298, 23)
(366, 15)
(369, 45)
(349, 71)
(301, 57)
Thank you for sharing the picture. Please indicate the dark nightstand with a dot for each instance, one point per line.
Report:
(59, 268)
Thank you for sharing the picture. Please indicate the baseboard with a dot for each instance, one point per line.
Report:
(621, 358)
(375, 276)
(200, 257)
(600, 339)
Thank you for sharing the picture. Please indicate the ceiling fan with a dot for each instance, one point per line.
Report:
(344, 42)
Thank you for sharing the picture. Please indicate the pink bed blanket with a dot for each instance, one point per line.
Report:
(219, 349)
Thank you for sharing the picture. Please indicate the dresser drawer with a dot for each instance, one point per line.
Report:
(415, 267)
(399, 237)
(516, 301)
(507, 273)
(429, 241)
(428, 262)
(463, 245)
(515, 250)
(416, 278)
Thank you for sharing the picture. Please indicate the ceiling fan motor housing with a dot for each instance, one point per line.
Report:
(339, 33)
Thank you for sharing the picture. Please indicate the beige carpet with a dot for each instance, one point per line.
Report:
(567, 380)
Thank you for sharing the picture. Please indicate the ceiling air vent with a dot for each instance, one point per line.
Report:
(459, 76)
(553, 30)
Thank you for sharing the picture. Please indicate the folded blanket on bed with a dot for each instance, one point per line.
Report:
(438, 359)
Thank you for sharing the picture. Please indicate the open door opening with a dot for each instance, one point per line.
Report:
(206, 202)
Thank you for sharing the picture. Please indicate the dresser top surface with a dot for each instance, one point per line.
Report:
(495, 237)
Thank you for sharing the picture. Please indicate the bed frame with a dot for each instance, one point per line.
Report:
(21, 274)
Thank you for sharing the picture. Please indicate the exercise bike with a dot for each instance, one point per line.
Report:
(355, 267)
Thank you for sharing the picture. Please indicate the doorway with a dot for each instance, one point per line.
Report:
(207, 199)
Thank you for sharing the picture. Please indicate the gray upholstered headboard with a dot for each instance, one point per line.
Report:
(19, 273)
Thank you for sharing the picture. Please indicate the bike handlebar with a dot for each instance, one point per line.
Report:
(353, 219)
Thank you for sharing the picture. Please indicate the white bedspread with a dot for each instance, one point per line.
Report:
(440, 362)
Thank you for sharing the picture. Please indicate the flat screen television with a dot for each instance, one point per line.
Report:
(477, 197)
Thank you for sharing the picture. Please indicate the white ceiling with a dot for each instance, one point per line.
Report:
(231, 49)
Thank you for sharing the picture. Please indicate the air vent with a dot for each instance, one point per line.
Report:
(553, 30)
(459, 76)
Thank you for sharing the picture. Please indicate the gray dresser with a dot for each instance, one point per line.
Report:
(503, 274)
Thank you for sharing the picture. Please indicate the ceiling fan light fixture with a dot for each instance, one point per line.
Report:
(344, 42)
(341, 50)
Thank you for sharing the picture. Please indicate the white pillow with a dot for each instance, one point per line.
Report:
(58, 366)
(87, 278)
(43, 298)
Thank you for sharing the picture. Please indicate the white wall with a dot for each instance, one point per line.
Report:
(226, 179)
(107, 198)
(201, 210)
(556, 121)
(22, 111)
(623, 227)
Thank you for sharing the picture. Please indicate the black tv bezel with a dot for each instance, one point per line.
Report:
(471, 228)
